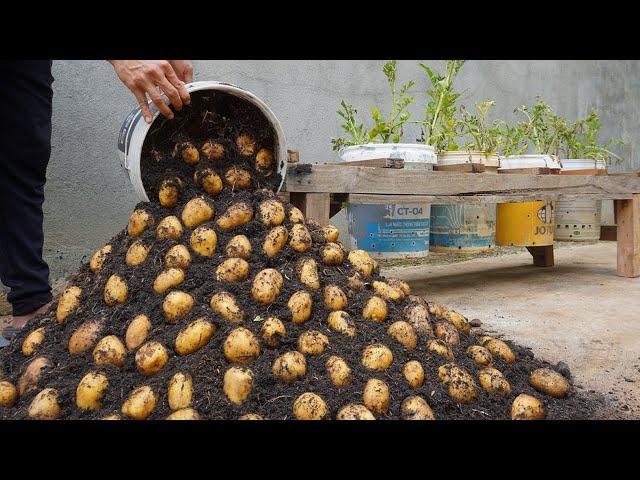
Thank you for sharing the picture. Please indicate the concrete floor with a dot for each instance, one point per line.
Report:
(578, 312)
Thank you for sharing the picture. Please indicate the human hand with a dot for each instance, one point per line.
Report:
(150, 77)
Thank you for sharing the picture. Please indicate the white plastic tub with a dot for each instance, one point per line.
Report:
(461, 157)
(134, 130)
(528, 161)
(415, 155)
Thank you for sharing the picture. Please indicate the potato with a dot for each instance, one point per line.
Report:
(289, 367)
(90, 391)
(362, 262)
(377, 357)
(97, 260)
(238, 178)
(354, 411)
(460, 322)
(334, 297)
(241, 346)
(33, 342)
(203, 241)
(441, 348)
(109, 350)
(140, 220)
(225, 304)
(300, 304)
(375, 309)
(169, 193)
(312, 342)
(114, 416)
(494, 382)
(272, 332)
(151, 358)
(180, 392)
(208, 180)
(339, 371)
(177, 305)
(498, 348)
(355, 282)
(45, 405)
(84, 337)
(246, 145)
(271, 212)
(189, 153)
(402, 285)
(376, 396)
(177, 256)
(239, 246)
(169, 228)
(275, 240)
(115, 291)
(136, 254)
(341, 322)
(480, 355)
(236, 215)
(169, 278)
(308, 273)
(461, 385)
(69, 300)
(330, 233)
(295, 215)
(418, 317)
(184, 414)
(332, 254)
(527, 407)
(300, 238)
(237, 384)
(140, 404)
(413, 373)
(550, 382)
(195, 212)
(137, 332)
(31, 375)
(416, 408)
(264, 162)
(212, 150)
(232, 270)
(309, 406)
(446, 332)
(8, 394)
(403, 333)
(250, 416)
(194, 336)
(436, 309)
(387, 292)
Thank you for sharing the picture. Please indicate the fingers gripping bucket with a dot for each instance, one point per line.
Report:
(134, 131)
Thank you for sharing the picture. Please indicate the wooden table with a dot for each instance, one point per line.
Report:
(311, 188)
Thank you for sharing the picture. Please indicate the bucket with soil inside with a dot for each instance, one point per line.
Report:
(220, 301)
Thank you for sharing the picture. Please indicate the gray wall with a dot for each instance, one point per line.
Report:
(89, 198)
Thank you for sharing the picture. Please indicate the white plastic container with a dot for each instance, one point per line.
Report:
(415, 155)
(134, 130)
(528, 161)
(461, 157)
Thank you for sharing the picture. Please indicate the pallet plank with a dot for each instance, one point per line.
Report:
(314, 206)
(628, 235)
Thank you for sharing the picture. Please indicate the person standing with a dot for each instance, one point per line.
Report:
(25, 146)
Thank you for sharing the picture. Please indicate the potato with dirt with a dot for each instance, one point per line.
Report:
(97, 260)
(271, 212)
(189, 153)
(184, 414)
(169, 193)
(137, 332)
(446, 332)
(232, 270)
(109, 351)
(266, 286)
(334, 297)
(140, 220)
(140, 404)
(237, 384)
(312, 342)
(375, 309)
(339, 371)
(177, 305)
(413, 373)
(330, 233)
(354, 411)
(69, 301)
(169, 278)
(340, 321)
(300, 305)
(387, 292)
(308, 273)
(377, 357)
(180, 391)
(295, 215)
(416, 408)
(30, 378)
(441, 348)
(527, 407)
(32, 342)
(272, 332)
(376, 396)
(90, 391)
(290, 367)
(226, 305)
(241, 346)
(208, 180)
(549, 382)
(332, 254)
(177, 256)
(203, 241)
(300, 238)
(238, 214)
(194, 336)
(169, 228)
(45, 405)
(8, 394)
(404, 334)
(459, 321)
(116, 291)
(84, 337)
(239, 246)
(213, 150)
(480, 355)
(418, 317)
(362, 262)
(136, 254)
(151, 358)
(309, 406)
(196, 212)
(275, 240)
(246, 145)
(264, 162)
(460, 384)
(499, 349)
(238, 178)
(494, 382)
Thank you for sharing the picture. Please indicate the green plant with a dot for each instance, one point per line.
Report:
(440, 127)
(581, 141)
(482, 136)
(384, 130)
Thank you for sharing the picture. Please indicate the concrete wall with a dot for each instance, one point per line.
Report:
(89, 197)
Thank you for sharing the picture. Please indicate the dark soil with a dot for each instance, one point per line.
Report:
(270, 398)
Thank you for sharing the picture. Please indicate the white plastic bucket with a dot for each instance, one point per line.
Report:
(528, 161)
(134, 130)
(463, 156)
(415, 155)
(582, 164)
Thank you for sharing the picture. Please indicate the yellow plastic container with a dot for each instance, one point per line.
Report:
(525, 224)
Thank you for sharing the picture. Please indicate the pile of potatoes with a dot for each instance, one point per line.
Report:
(196, 228)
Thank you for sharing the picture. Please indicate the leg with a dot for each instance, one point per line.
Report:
(314, 206)
(628, 220)
(542, 256)
(25, 145)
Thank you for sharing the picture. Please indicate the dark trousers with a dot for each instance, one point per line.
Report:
(25, 146)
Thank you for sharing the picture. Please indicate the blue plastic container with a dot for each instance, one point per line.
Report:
(462, 228)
